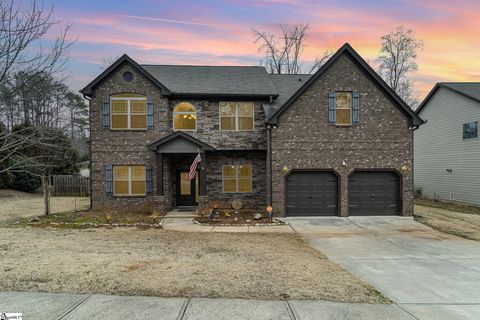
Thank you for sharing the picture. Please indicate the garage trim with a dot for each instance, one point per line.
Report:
(339, 188)
(397, 172)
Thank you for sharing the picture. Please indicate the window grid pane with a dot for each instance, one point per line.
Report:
(245, 123)
(237, 178)
(343, 116)
(229, 185)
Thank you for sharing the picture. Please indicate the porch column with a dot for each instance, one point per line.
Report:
(159, 163)
(203, 175)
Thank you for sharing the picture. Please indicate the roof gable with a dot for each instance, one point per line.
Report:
(180, 140)
(470, 90)
(358, 60)
(87, 90)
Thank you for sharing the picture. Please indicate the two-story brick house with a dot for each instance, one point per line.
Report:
(338, 142)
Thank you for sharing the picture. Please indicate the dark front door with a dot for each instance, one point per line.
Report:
(187, 190)
(312, 193)
(374, 193)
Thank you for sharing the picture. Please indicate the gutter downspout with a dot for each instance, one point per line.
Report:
(269, 166)
(413, 128)
(90, 143)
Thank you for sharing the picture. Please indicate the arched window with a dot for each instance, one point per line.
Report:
(184, 117)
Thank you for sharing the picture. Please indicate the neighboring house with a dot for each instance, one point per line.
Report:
(447, 147)
(338, 142)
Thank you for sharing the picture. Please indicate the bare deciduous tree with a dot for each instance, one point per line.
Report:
(397, 60)
(283, 52)
(107, 62)
(23, 46)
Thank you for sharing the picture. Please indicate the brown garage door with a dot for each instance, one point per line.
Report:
(312, 193)
(374, 193)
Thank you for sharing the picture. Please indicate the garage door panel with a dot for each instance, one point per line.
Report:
(374, 193)
(311, 193)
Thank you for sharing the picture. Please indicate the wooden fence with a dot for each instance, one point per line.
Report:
(70, 186)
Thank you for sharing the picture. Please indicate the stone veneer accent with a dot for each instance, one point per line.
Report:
(125, 147)
(303, 138)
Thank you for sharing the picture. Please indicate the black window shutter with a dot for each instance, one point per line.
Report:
(106, 112)
(331, 108)
(109, 179)
(149, 175)
(356, 108)
(149, 113)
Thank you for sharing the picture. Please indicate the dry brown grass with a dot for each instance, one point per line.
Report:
(449, 206)
(16, 204)
(173, 264)
(466, 225)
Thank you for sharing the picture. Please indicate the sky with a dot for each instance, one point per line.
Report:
(219, 32)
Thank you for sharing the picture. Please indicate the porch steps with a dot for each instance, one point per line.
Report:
(181, 214)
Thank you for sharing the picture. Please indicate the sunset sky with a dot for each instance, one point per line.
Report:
(219, 32)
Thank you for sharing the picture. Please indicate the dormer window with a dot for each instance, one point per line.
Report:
(128, 111)
(184, 117)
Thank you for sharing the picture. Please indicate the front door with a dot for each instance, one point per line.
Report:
(187, 190)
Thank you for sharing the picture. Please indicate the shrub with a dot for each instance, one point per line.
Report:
(26, 182)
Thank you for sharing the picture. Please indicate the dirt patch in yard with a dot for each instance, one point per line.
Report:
(466, 225)
(173, 264)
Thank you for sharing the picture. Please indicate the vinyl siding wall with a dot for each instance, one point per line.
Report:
(439, 145)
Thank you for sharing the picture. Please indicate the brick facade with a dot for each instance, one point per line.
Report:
(302, 139)
(381, 140)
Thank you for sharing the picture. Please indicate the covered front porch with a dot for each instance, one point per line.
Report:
(174, 156)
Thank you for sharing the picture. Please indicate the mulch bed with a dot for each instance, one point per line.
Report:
(237, 218)
(95, 219)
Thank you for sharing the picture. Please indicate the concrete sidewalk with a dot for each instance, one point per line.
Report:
(182, 221)
(48, 306)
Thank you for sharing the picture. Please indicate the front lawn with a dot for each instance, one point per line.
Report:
(459, 220)
(164, 263)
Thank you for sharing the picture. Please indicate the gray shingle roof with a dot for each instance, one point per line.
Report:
(287, 85)
(471, 89)
(214, 80)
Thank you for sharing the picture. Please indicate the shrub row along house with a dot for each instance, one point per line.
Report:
(338, 142)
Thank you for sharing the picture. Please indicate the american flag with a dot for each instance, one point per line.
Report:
(193, 167)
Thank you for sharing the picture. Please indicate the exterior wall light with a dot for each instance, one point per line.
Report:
(285, 169)
(344, 163)
(404, 168)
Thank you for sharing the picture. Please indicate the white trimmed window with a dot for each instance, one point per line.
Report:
(237, 178)
(128, 111)
(129, 180)
(343, 109)
(236, 116)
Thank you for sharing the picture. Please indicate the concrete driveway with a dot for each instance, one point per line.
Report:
(429, 274)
